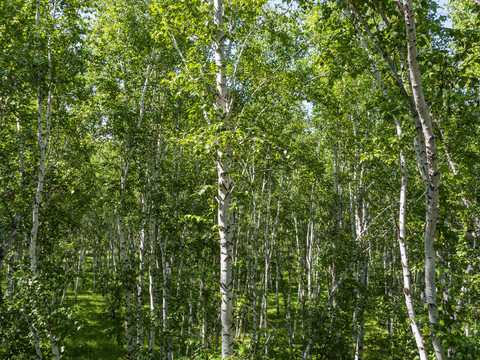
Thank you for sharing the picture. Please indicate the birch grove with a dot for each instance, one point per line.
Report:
(239, 179)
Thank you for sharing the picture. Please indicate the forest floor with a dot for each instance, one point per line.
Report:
(100, 336)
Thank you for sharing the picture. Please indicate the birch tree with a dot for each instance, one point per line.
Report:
(427, 146)
(225, 187)
(433, 177)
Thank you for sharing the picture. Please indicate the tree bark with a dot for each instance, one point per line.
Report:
(407, 289)
(141, 273)
(433, 179)
(167, 351)
(359, 215)
(127, 289)
(225, 190)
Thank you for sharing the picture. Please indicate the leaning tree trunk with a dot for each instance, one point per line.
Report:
(225, 190)
(407, 288)
(426, 152)
(433, 178)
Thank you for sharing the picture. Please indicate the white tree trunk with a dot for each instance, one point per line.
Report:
(203, 330)
(153, 262)
(127, 289)
(225, 190)
(43, 139)
(358, 209)
(167, 350)
(151, 288)
(226, 248)
(407, 288)
(141, 271)
(402, 224)
(433, 179)
(43, 134)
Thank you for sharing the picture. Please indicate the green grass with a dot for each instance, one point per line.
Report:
(377, 341)
(100, 336)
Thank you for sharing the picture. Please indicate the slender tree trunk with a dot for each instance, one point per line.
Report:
(43, 134)
(43, 138)
(127, 289)
(167, 350)
(299, 281)
(77, 271)
(407, 290)
(203, 330)
(153, 228)
(51, 338)
(433, 179)
(358, 209)
(151, 285)
(225, 190)
(309, 262)
(266, 268)
(141, 271)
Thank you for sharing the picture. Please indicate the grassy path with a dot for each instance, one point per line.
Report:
(100, 336)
